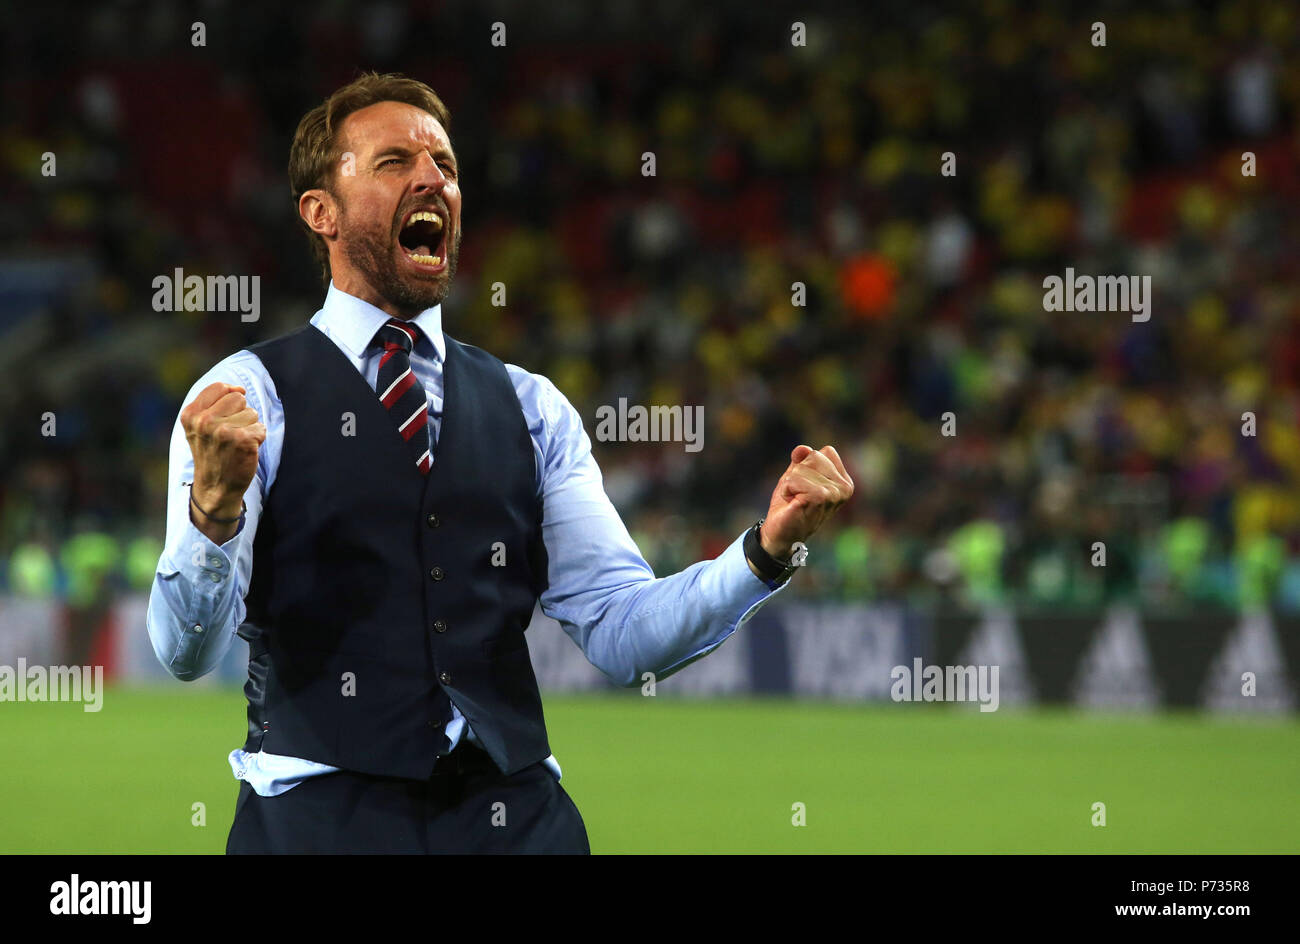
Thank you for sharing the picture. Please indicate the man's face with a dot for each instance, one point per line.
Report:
(404, 166)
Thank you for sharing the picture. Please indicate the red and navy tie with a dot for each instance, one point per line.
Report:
(401, 392)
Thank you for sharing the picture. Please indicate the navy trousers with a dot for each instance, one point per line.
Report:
(467, 806)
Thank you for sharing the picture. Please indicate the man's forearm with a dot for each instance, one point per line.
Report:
(215, 515)
(662, 624)
(194, 605)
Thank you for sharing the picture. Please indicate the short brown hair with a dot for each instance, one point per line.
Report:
(314, 154)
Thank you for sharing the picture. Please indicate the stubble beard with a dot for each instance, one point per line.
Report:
(371, 253)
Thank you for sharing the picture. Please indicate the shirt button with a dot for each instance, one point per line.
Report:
(432, 521)
(436, 573)
(439, 626)
(444, 678)
(215, 562)
(215, 578)
(196, 628)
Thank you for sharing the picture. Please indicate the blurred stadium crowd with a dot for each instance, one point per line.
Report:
(774, 165)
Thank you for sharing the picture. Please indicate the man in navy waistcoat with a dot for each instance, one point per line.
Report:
(377, 508)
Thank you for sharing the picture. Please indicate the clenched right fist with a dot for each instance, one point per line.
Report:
(224, 434)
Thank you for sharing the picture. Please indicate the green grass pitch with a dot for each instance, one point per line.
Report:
(672, 775)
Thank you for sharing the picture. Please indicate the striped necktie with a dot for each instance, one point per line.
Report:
(401, 392)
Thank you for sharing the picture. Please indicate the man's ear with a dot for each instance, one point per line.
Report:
(319, 210)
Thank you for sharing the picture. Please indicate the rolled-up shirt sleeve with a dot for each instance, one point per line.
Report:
(600, 589)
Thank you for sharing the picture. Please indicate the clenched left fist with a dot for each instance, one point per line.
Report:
(814, 485)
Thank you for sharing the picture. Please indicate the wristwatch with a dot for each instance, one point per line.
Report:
(770, 568)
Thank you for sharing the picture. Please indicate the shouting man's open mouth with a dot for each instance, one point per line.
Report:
(423, 239)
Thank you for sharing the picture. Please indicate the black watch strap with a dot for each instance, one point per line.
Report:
(770, 568)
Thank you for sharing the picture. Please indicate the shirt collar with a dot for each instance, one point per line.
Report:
(353, 323)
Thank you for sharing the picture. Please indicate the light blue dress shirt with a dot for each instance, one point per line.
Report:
(601, 590)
